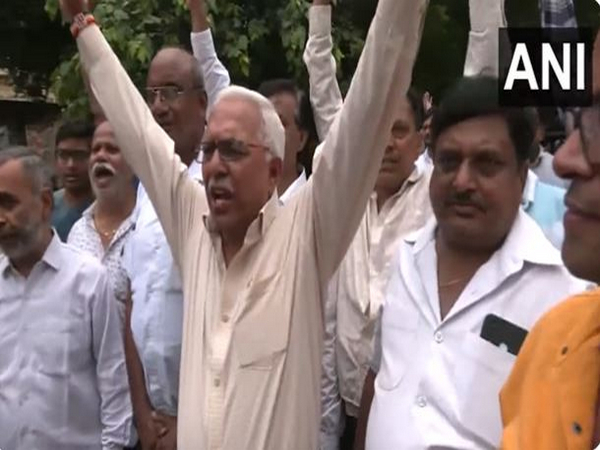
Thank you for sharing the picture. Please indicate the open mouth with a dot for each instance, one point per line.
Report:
(103, 172)
(221, 198)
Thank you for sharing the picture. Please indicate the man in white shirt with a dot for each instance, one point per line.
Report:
(154, 312)
(398, 205)
(63, 383)
(106, 225)
(252, 270)
(466, 288)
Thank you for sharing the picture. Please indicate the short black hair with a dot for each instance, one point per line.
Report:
(79, 129)
(304, 117)
(473, 97)
(415, 100)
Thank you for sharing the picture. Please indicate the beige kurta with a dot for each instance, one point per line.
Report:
(252, 332)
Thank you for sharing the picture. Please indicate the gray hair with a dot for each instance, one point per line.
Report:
(38, 171)
(272, 132)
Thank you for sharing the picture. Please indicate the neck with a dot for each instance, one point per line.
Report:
(117, 205)
(385, 192)
(231, 244)
(290, 174)
(459, 259)
(78, 197)
(26, 264)
(187, 154)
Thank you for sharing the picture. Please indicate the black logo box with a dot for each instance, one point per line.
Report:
(521, 94)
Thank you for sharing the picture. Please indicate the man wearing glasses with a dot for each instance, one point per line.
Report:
(176, 97)
(551, 400)
(252, 270)
(73, 143)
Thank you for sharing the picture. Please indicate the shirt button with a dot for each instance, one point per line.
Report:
(421, 401)
(217, 382)
(225, 318)
(439, 337)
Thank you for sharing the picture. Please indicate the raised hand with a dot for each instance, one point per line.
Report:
(70, 8)
(198, 12)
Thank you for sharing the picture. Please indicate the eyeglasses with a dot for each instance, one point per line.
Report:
(230, 150)
(587, 120)
(167, 94)
(78, 156)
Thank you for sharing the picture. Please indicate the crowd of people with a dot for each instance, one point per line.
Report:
(426, 280)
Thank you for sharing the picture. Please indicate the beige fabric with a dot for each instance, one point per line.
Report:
(252, 332)
(362, 278)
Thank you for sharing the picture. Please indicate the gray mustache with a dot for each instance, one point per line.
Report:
(100, 166)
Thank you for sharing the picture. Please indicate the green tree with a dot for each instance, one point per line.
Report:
(261, 39)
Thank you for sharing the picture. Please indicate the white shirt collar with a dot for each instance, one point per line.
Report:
(526, 242)
(529, 190)
(294, 187)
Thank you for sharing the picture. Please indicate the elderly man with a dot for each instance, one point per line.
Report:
(106, 225)
(155, 310)
(552, 398)
(398, 205)
(291, 104)
(73, 141)
(252, 270)
(466, 288)
(63, 383)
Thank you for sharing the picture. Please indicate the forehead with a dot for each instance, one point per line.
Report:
(284, 101)
(476, 135)
(103, 133)
(170, 67)
(404, 113)
(81, 144)
(237, 118)
(13, 181)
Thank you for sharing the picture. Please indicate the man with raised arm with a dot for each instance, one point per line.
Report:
(253, 271)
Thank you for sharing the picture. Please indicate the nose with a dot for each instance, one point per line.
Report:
(214, 166)
(158, 106)
(569, 161)
(463, 180)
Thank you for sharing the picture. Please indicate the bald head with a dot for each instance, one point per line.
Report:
(180, 109)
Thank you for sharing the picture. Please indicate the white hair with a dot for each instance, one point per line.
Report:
(273, 133)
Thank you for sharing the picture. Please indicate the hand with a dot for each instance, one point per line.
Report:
(199, 15)
(167, 429)
(70, 8)
(148, 433)
(169, 440)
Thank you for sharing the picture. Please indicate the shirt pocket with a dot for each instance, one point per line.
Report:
(63, 350)
(399, 325)
(481, 370)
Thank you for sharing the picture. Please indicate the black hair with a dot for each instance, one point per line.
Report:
(415, 100)
(473, 97)
(287, 86)
(80, 129)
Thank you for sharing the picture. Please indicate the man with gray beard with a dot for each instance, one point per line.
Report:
(63, 383)
(105, 226)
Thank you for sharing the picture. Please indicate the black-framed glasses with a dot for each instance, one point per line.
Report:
(78, 156)
(230, 150)
(167, 94)
(587, 121)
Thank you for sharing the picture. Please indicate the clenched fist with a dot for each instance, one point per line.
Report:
(70, 8)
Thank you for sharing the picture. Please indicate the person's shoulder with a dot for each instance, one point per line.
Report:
(58, 197)
(567, 315)
(78, 260)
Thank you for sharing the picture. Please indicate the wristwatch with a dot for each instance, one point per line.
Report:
(80, 22)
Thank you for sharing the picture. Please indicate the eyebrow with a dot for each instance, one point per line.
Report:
(5, 196)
